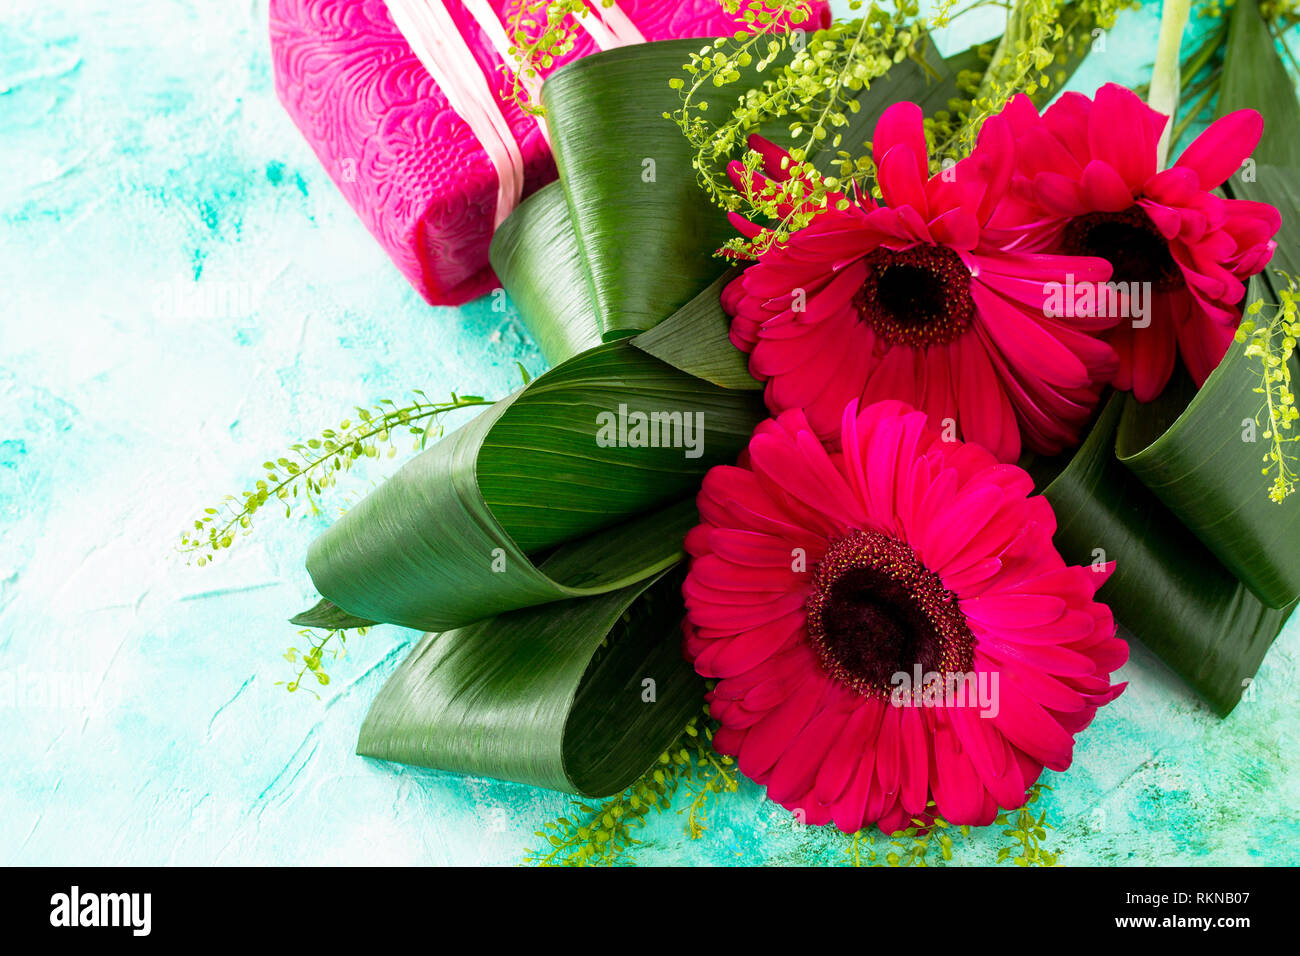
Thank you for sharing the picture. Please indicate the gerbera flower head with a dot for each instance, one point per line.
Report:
(914, 299)
(1086, 173)
(820, 576)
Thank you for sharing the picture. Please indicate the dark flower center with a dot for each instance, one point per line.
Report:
(1131, 243)
(918, 297)
(877, 611)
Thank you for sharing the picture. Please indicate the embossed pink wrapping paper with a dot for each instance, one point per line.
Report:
(409, 165)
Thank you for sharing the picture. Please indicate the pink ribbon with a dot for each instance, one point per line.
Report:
(433, 36)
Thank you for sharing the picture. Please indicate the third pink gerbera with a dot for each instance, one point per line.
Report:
(915, 300)
(1087, 171)
(823, 582)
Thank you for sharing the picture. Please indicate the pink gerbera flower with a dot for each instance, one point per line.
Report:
(818, 577)
(1087, 171)
(914, 300)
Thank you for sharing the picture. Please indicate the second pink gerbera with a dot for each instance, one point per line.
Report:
(1086, 170)
(914, 300)
(823, 582)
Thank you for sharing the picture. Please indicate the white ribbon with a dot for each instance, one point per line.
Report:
(431, 32)
(433, 37)
(611, 27)
(486, 18)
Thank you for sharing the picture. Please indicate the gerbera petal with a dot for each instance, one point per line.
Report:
(958, 793)
(1031, 728)
(915, 757)
(796, 771)
(1068, 120)
(1014, 610)
(1218, 152)
(768, 739)
(985, 412)
(991, 755)
(900, 182)
(1060, 195)
(804, 471)
(1102, 188)
(1152, 354)
(900, 376)
(889, 760)
(902, 124)
(854, 746)
(1025, 343)
(1119, 135)
(850, 810)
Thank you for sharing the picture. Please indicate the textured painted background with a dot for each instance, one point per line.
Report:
(185, 294)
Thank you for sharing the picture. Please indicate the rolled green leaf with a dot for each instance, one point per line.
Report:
(695, 339)
(535, 255)
(1198, 451)
(646, 230)
(595, 450)
(580, 696)
(325, 614)
(1168, 590)
(1254, 77)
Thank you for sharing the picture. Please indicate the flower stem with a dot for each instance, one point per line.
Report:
(1164, 76)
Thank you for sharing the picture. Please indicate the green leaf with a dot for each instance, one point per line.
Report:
(1168, 589)
(450, 538)
(532, 696)
(325, 615)
(1255, 77)
(535, 255)
(1200, 452)
(695, 339)
(646, 232)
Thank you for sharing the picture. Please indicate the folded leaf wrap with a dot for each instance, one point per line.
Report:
(1201, 457)
(533, 696)
(1168, 590)
(447, 540)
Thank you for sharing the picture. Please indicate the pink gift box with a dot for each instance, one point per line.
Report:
(404, 158)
